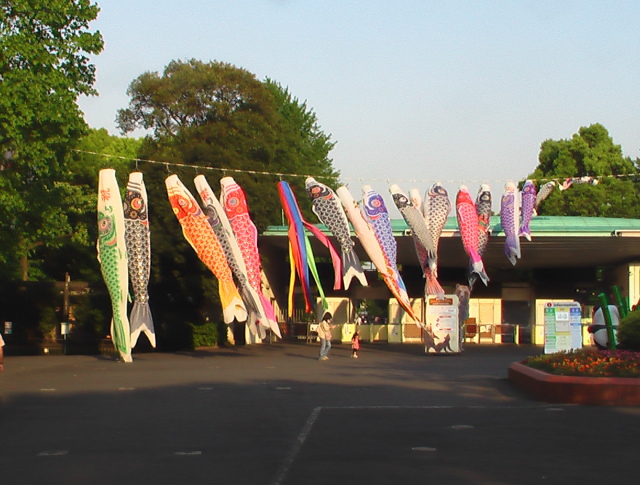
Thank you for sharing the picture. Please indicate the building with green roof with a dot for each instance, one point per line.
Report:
(568, 258)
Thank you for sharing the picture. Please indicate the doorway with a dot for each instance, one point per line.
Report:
(518, 313)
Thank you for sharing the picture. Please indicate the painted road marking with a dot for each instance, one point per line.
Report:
(302, 437)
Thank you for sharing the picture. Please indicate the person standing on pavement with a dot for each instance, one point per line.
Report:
(324, 334)
(355, 345)
(1, 353)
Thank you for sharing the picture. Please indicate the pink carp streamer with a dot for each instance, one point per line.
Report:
(236, 212)
(200, 235)
(468, 224)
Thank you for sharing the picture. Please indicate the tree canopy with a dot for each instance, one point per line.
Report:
(613, 191)
(221, 118)
(217, 115)
(43, 69)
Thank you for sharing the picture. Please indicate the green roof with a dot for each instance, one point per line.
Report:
(539, 225)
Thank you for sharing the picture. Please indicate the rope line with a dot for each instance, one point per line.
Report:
(560, 180)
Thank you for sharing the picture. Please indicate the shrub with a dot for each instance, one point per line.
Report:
(629, 331)
(204, 335)
(48, 323)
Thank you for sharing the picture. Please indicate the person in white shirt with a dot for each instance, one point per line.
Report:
(324, 334)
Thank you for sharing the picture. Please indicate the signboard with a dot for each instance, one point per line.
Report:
(442, 332)
(562, 326)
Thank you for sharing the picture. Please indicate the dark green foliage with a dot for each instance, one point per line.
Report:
(218, 115)
(77, 256)
(33, 307)
(92, 315)
(215, 115)
(48, 323)
(204, 335)
(44, 68)
(629, 331)
(589, 153)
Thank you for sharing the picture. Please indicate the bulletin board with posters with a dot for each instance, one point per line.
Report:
(442, 331)
(562, 326)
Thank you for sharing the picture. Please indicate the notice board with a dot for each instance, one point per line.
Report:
(562, 326)
(442, 332)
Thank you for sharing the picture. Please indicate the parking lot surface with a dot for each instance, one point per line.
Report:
(273, 414)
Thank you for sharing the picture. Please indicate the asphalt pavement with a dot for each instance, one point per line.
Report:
(273, 414)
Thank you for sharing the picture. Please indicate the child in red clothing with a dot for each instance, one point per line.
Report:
(355, 345)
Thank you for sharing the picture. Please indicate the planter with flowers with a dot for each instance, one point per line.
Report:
(587, 376)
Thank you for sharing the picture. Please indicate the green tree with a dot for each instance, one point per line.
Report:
(43, 69)
(216, 115)
(310, 143)
(589, 153)
(78, 258)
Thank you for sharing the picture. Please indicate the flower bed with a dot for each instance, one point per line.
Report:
(588, 363)
(581, 377)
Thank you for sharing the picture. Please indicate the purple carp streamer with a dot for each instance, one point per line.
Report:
(509, 219)
(528, 208)
(369, 242)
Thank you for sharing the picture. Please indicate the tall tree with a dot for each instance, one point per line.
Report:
(613, 191)
(216, 115)
(78, 256)
(310, 142)
(43, 69)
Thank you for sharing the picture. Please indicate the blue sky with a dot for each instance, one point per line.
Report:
(412, 91)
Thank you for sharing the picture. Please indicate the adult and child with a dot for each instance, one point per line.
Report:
(324, 334)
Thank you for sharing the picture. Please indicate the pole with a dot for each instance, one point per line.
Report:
(608, 322)
(65, 298)
(622, 305)
(65, 311)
